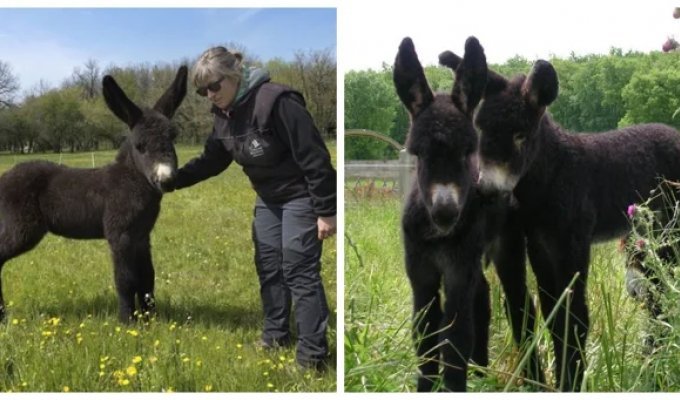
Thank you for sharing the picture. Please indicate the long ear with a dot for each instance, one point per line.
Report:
(173, 96)
(119, 103)
(495, 82)
(470, 77)
(541, 86)
(409, 79)
(448, 59)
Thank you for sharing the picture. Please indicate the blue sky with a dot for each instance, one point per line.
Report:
(48, 44)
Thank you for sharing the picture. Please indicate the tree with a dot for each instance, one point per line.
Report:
(369, 104)
(88, 79)
(317, 72)
(9, 85)
(652, 96)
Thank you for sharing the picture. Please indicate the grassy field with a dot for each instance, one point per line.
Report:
(62, 332)
(379, 355)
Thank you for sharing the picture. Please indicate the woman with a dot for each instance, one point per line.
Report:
(266, 128)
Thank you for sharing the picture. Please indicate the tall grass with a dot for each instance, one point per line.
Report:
(379, 354)
(62, 332)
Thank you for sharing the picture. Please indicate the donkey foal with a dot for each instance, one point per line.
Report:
(572, 190)
(446, 222)
(119, 202)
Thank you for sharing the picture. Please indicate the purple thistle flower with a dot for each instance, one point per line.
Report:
(631, 210)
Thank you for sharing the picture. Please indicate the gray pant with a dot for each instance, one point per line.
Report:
(287, 256)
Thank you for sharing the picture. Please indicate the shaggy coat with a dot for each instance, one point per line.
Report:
(572, 190)
(446, 220)
(119, 202)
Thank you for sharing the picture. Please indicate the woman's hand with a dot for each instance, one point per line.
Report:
(327, 227)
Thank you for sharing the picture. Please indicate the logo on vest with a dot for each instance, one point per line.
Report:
(255, 148)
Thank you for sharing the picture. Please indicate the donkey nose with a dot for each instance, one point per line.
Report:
(163, 172)
(445, 200)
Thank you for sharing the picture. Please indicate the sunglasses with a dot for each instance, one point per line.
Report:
(213, 87)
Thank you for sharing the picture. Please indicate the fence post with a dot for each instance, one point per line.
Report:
(406, 164)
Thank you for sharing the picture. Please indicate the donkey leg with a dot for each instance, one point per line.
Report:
(17, 237)
(482, 319)
(569, 328)
(3, 312)
(145, 277)
(123, 254)
(509, 260)
(425, 283)
(458, 331)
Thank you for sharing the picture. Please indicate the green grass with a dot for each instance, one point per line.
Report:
(379, 354)
(62, 332)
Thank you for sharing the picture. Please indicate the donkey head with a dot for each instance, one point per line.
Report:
(442, 135)
(151, 132)
(508, 119)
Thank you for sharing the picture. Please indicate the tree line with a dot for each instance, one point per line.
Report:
(597, 93)
(74, 116)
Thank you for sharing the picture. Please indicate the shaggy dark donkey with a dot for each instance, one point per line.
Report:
(572, 190)
(446, 223)
(119, 202)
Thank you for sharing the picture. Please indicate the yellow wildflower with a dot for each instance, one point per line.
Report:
(66, 389)
(47, 333)
(156, 343)
(239, 357)
(131, 370)
(208, 388)
(124, 382)
(270, 385)
(199, 363)
(153, 359)
(132, 332)
(15, 322)
(136, 359)
(54, 321)
(204, 338)
(186, 359)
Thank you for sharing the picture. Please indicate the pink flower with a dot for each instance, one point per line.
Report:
(640, 244)
(669, 45)
(631, 210)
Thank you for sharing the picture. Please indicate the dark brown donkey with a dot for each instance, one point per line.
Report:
(572, 190)
(119, 202)
(446, 221)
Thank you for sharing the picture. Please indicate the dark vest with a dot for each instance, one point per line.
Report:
(248, 135)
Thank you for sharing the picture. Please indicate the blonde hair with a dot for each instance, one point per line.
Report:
(216, 63)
